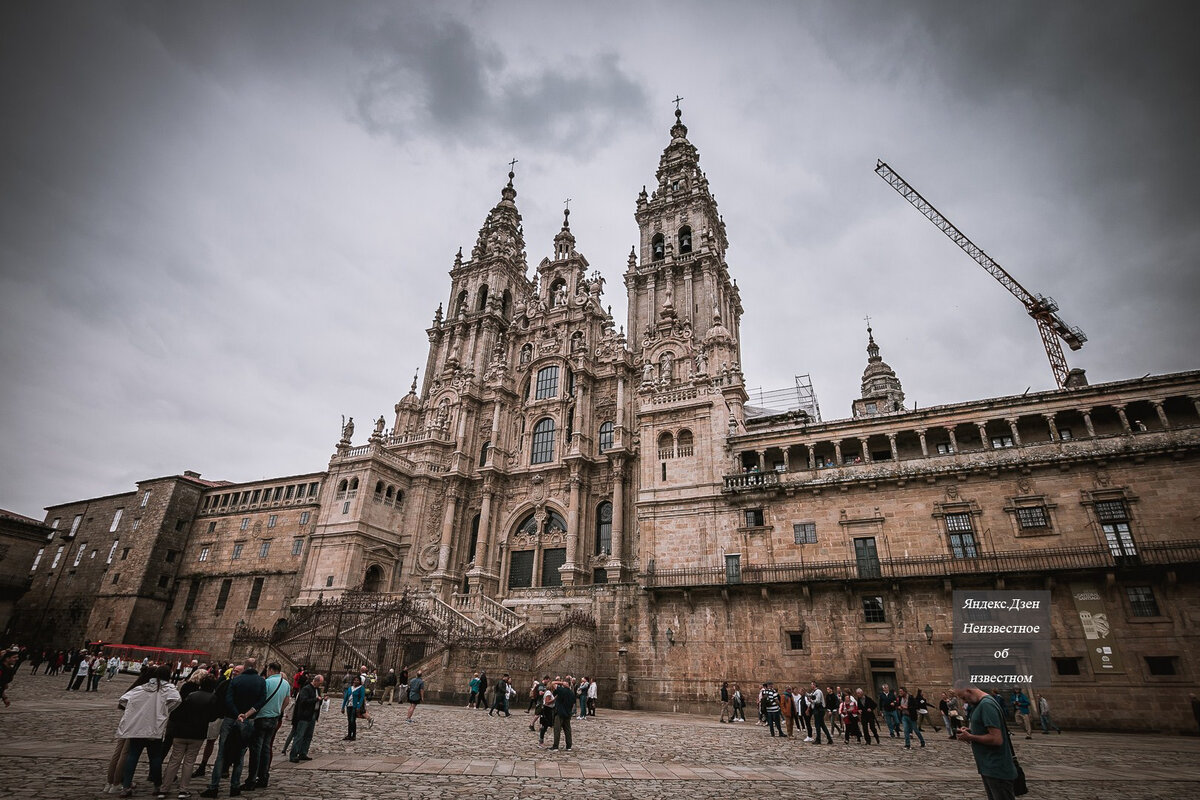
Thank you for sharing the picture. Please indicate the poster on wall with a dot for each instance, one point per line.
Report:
(1101, 643)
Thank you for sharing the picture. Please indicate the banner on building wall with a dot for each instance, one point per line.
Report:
(1101, 643)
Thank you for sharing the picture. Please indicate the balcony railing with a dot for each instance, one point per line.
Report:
(751, 480)
(1055, 559)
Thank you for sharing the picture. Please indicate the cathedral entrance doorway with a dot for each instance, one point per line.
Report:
(373, 579)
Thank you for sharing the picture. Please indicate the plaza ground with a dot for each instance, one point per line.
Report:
(56, 744)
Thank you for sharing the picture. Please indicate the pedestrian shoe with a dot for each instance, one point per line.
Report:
(199, 773)
(370, 723)
(294, 760)
(1027, 736)
(305, 758)
(235, 792)
(209, 792)
(184, 795)
(248, 786)
(262, 783)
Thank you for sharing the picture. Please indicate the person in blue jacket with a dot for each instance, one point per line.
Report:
(353, 702)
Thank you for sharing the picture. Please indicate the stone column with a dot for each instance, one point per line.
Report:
(1162, 414)
(812, 457)
(787, 458)
(1196, 403)
(616, 560)
(983, 434)
(1012, 426)
(924, 444)
(621, 697)
(439, 583)
(1087, 421)
(568, 570)
(1124, 419)
(762, 460)
(1052, 424)
(837, 454)
(687, 291)
(953, 440)
(866, 451)
(892, 442)
(485, 570)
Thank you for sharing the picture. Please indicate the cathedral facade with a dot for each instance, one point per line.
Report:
(554, 465)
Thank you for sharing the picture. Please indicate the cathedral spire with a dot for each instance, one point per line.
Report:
(881, 389)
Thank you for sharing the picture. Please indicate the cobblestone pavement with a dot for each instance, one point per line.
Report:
(56, 744)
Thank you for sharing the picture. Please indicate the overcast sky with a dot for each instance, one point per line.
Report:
(224, 225)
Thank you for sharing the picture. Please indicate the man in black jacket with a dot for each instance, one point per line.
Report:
(188, 728)
(237, 698)
(305, 714)
(388, 684)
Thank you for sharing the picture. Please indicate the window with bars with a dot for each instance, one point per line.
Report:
(1114, 522)
(297, 546)
(552, 559)
(237, 551)
(547, 383)
(520, 569)
(604, 519)
(543, 442)
(203, 554)
(754, 518)
(873, 609)
(606, 436)
(962, 535)
(1142, 601)
(1033, 518)
(805, 532)
(264, 549)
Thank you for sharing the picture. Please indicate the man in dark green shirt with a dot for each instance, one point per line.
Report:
(991, 747)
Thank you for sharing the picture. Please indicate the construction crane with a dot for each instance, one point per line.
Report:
(1043, 309)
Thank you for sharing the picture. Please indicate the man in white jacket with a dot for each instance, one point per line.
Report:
(144, 724)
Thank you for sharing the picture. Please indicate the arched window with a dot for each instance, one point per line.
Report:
(526, 354)
(399, 497)
(460, 305)
(390, 497)
(657, 248)
(547, 383)
(481, 303)
(604, 518)
(354, 484)
(379, 492)
(666, 445)
(474, 543)
(483, 454)
(685, 239)
(373, 578)
(606, 436)
(554, 522)
(543, 442)
(683, 443)
(528, 526)
(505, 303)
(343, 485)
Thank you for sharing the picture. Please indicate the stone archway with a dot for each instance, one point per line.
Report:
(373, 579)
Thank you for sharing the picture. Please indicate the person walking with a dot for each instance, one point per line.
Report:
(771, 708)
(1047, 723)
(144, 724)
(188, 728)
(1021, 707)
(739, 705)
(546, 713)
(481, 701)
(500, 703)
(849, 712)
(81, 672)
(991, 747)
(923, 712)
(564, 702)
(891, 717)
(866, 708)
(906, 705)
(473, 688)
(817, 698)
(416, 694)
(353, 702)
(388, 685)
(725, 710)
(8, 670)
(305, 714)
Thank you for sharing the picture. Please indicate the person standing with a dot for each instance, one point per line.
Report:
(500, 703)
(388, 685)
(402, 683)
(771, 708)
(546, 713)
(817, 699)
(266, 724)
(725, 712)
(866, 708)
(304, 718)
(188, 728)
(592, 695)
(739, 705)
(242, 694)
(8, 671)
(114, 666)
(96, 673)
(81, 672)
(353, 701)
(849, 712)
(581, 692)
(564, 702)
(907, 708)
(1047, 723)
(985, 732)
(416, 694)
(147, 709)
(1021, 707)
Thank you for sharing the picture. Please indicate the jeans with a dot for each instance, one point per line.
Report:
(892, 720)
(227, 726)
(154, 749)
(819, 725)
(302, 731)
(351, 722)
(262, 748)
(562, 723)
(1047, 724)
(774, 723)
(998, 788)
(910, 728)
(94, 681)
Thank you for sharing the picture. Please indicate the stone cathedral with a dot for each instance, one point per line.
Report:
(564, 492)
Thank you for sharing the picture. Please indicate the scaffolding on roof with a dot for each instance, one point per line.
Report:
(800, 397)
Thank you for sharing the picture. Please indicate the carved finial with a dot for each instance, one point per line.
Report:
(413, 388)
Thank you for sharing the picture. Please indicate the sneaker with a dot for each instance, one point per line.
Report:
(161, 795)
(184, 795)
(568, 749)
(808, 738)
(305, 758)
(370, 723)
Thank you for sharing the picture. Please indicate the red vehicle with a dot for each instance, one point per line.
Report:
(132, 655)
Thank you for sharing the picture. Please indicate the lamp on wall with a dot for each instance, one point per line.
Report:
(928, 634)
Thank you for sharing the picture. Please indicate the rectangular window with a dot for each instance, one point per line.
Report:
(223, 596)
(255, 593)
(1066, 666)
(145, 498)
(304, 517)
(552, 559)
(116, 520)
(1065, 434)
(963, 545)
(237, 551)
(805, 532)
(203, 554)
(57, 557)
(263, 549)
(1162, 665)
(959, 523)
(193, 590)
(54, 524)
(212, 526)
(873, 609)
(278, 494)
(290, 491)
(795, 640)
(346, 507)
(999, 442)
(125, 553)
(547, 383)
(79, 553)
(163, 581)
(754, 518)
(733, 568)
(271, 521)
(75, 524)
(520, 569)
(297, 547)
(254, 497)
(1114, 522)
(245, 523)
(867, 557)
(1033, 518)
(312, 489)
(328, 581)
(1142, 601)
(944, 449)
(136, 524)
(112, 551)
(180, 524)
(224, 500)
(116, 578)
(37, 559)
